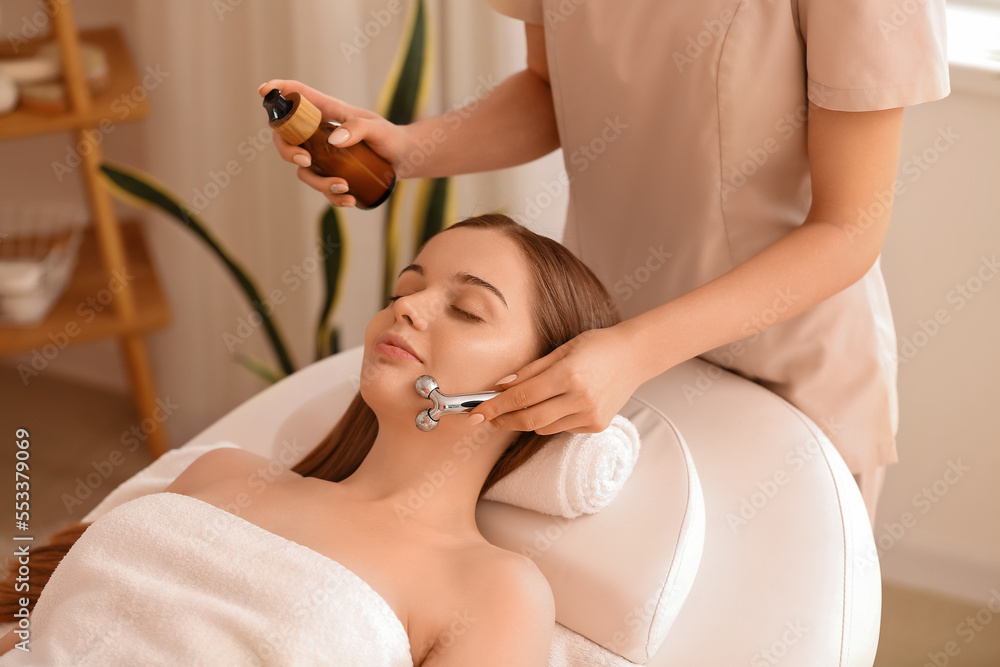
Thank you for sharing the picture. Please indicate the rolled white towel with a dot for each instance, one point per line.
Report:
(574, 473)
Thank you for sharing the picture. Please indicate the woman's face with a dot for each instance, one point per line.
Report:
(464, 308)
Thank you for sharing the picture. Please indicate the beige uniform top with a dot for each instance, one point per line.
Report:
(683, 132)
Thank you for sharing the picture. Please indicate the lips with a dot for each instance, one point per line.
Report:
(393, 340)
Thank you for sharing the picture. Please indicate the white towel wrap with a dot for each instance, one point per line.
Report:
(167, 579)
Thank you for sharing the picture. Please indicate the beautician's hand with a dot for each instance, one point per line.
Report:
(578, 387)
(389, 140)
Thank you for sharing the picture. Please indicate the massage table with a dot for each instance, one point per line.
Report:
(740, 538)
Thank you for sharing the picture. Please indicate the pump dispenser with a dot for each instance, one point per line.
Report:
(300, 123)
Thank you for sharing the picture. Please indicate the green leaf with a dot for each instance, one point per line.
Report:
(411, 72)
(335, 341)
(402, 98)
(268, 374)
(393, 223)
(332, 240)
(435, 204)
(140, 189)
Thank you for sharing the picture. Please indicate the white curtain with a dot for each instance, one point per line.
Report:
(207, 115)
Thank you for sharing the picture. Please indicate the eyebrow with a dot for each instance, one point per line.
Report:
(463, 278)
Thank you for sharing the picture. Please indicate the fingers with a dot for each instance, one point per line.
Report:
(330, 107)
(342, 200)
(531, 369)
(550, 417)
(524, 407)
(530, 386)
(356, 123)
(570, 423)
(539, 418)
(537, 366)
(350, 132)
(287, 151)
(334, 188)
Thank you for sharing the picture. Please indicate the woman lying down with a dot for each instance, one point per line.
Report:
(321, 567)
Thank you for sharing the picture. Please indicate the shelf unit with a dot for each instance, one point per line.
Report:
(109, 250)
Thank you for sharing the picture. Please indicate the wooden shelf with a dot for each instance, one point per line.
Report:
(90, 282)
(119, 103)
(98, 303)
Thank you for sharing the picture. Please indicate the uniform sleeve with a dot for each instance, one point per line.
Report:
(865, 55)
(529, 11)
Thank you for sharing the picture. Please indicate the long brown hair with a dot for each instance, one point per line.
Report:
(569, 299)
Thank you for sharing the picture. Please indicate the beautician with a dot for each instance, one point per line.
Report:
(731, 168)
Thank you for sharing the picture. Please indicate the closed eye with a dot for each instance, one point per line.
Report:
(459, 311)
(470, 316)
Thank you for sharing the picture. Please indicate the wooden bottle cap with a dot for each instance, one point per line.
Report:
(300, 123)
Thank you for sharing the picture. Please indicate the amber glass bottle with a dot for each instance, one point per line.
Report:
(299, 122)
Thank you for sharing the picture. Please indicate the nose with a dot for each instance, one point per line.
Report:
(424, 306)
(410, 309)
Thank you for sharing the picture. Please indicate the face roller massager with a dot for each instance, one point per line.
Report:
(444, 404)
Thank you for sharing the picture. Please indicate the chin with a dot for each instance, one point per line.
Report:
(389, 388)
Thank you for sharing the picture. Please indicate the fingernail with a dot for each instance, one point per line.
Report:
(339, 136)
(509, 378)
(475, 419)
(338, 188)
(260, 88)
(302, 160)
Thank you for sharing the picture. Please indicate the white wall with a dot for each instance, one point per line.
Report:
(945, 234)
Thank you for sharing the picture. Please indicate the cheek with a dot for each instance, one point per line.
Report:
(378, 324)
(381, 321)
(475, 361)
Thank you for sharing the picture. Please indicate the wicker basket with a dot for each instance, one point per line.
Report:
(39, 245)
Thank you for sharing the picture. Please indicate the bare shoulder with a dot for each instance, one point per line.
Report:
(217, 466)
(504, 595)
(510, 583)
(513, 572)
